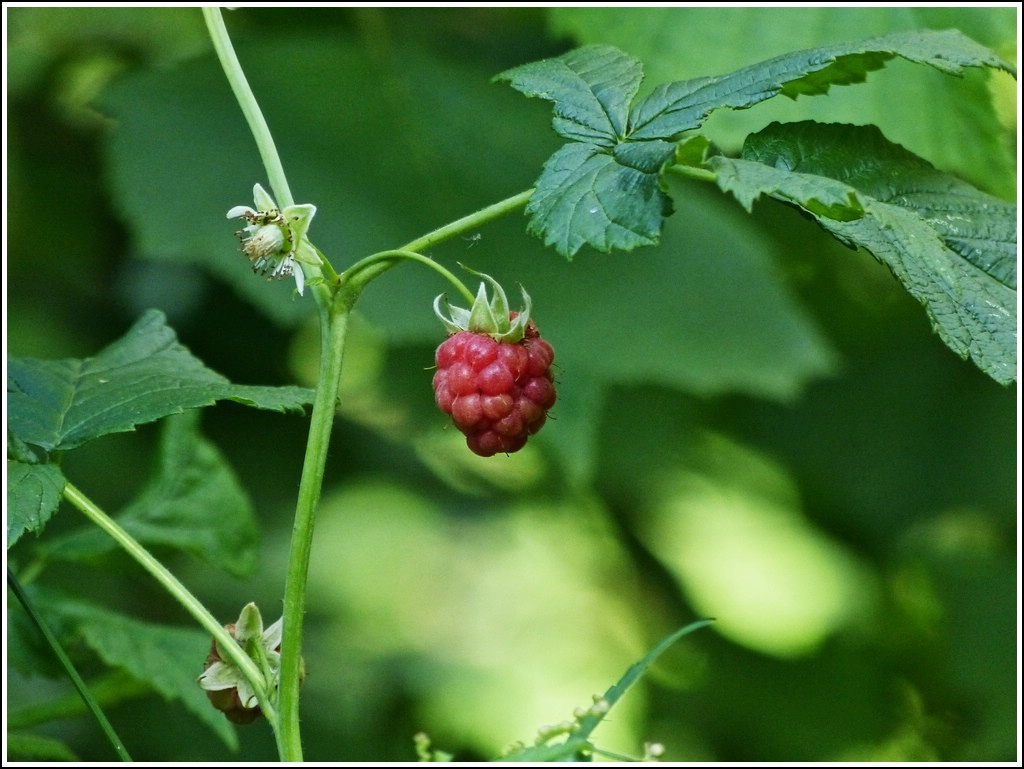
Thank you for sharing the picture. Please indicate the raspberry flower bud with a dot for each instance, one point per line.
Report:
(226, 687)
(493, 372)
(275, 240)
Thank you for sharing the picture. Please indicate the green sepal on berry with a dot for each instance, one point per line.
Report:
(487, 316)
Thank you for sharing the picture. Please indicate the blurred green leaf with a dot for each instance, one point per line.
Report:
(169, 659)
(952, 247)
(192, 502)
(33, 747)
(142, 377)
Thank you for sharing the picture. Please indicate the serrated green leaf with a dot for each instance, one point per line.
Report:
(167, 658)
(33, 495)
(579, 194)
(674, 108)
(952, 247)
(949, 121)
(146, 375)
(591, 88)
(585, 196)
(192, 502)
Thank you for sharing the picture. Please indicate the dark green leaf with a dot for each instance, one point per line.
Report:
(951, 246)
(193, 502)
(947, 120)
(586, 195)
(168, 659)
(33, 494)
(591, 87)
(676, 107)
(142, 377)
(578, 197)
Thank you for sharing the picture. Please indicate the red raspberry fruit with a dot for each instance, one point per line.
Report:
(498, 393)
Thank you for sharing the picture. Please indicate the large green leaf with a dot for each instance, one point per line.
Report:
(146, 375)
(581, 194)
(952, 247)
(167, 658)
(192, 502)
(949, 121)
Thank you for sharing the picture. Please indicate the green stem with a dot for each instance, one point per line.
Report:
(250, 107)
(69, 668)
(334, 310)
(469, 222)
(692, 172)
(365, 270)
(226, 644)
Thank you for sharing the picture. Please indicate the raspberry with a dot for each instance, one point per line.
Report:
(493, 373)
(497, 393)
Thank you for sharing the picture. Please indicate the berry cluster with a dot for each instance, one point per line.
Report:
(497, 393)
(493, 372)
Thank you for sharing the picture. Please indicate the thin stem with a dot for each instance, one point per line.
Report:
(69, 668)
(225, 643)
(250, 107)
(469, 222)
(334, 315)
(364, 270)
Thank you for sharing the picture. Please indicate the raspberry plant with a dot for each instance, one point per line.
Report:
(631, 162)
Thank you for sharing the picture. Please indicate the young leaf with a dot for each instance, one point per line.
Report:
(192, 502)
(146, 375)
(579, 196)
(952, 247)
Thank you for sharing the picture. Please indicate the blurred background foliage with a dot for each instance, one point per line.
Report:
(754, 423)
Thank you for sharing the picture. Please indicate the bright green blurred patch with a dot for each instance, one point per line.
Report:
(730, 529)
(518, 615)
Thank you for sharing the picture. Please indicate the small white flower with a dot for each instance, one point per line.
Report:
(222, 674)
(275, 240)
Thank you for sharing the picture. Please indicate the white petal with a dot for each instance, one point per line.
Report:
(300, 278)
(273, 634)
(219, 676)
(240, 211)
